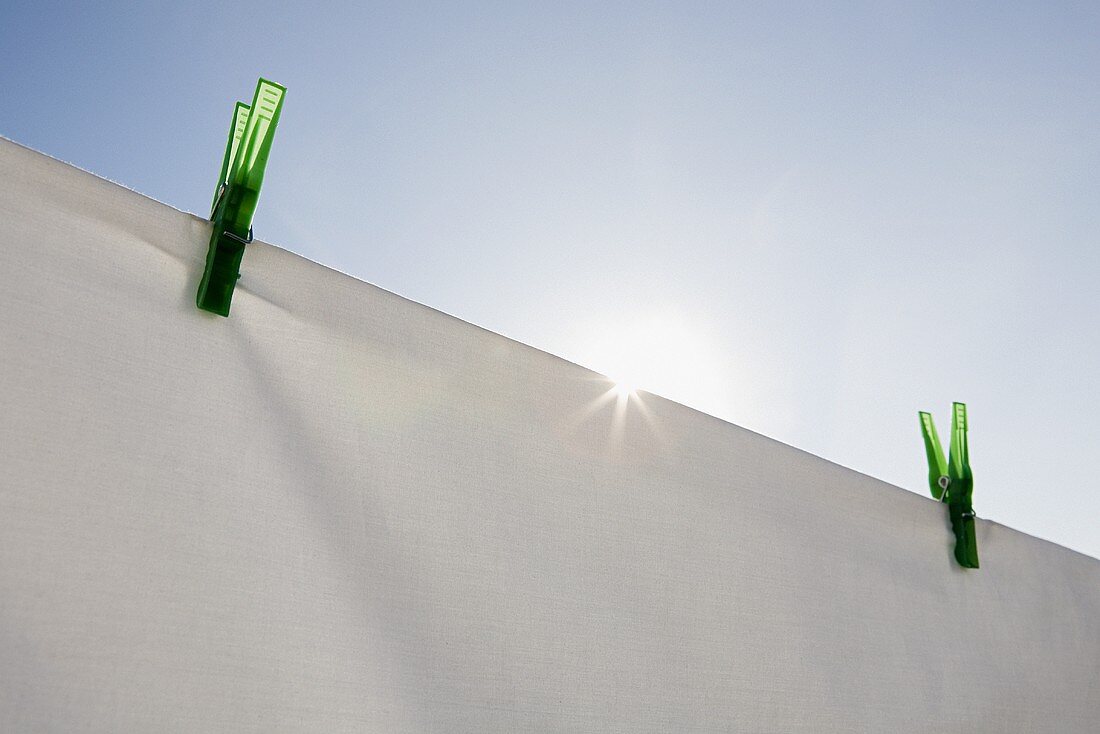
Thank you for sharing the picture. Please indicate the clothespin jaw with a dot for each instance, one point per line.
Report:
(951, 481)
(250, 135)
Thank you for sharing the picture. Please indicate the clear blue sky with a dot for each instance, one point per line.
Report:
(808, 219)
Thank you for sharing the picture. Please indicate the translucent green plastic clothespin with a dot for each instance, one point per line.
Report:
(237, 193)
(951, 481)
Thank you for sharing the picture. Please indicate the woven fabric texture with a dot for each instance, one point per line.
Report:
(339, 510)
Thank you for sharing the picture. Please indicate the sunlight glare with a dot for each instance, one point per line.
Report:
(662, 352)
(623, 388)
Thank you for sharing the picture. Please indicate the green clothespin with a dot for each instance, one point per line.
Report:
(237, 193)
(952, 481)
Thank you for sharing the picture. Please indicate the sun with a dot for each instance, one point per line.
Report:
(661, 351)
(623, 388)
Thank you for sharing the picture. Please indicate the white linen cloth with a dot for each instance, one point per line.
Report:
(338, 510)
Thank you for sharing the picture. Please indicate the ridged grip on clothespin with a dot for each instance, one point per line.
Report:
(250, 135)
